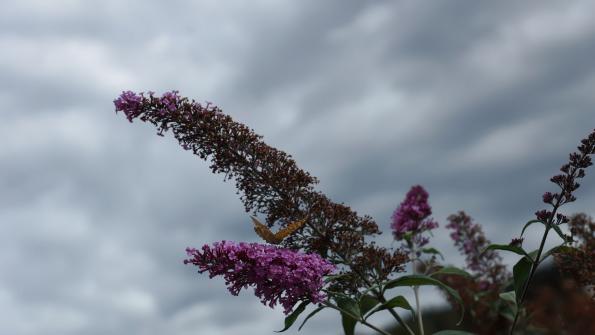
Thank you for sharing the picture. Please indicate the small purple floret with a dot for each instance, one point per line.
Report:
(129, 103)
(169, 101)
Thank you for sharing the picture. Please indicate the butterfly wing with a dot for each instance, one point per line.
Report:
(264, 232)
(289, 229)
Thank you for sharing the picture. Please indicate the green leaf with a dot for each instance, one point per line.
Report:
(351, 315)
(509, 296)
(564, 237)
(506, 247)
(533, 255)
(290, 319)
(374, 287)
(366, 303)
(452, 332)
(508, 314)
(432, 251)
(349, 305)
(398, 301)
(530, 223)
(310, 315)
(451, 270)
(421, 280)
(348, 324)
(556, 250)
(510, 309)
(520, 273)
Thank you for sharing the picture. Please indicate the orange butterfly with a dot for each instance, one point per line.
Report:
(275, 238)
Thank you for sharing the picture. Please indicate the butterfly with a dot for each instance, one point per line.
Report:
(275, 238)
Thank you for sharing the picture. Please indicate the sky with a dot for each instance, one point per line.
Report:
(479, 102)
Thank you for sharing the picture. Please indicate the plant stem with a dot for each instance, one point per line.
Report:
(548, 226)
(420, 322)
(526, 286)
(393, 313)
(359, 319)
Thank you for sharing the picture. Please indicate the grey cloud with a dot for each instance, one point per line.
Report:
(480, 103)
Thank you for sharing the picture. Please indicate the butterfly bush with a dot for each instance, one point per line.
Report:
(412, 217)
(279, 275)
(470, 239)
(333, 261)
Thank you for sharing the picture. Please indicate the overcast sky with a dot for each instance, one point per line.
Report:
(480, 102)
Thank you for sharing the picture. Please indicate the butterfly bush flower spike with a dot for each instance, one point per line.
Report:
(412, 217)
(279, 275)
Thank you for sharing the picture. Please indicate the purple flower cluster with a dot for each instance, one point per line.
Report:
(131, 104)
(279, 275)
(169, 100)
(471, 242)
(412, 217)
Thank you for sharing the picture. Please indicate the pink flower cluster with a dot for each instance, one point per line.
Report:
(131, 104)
(279, 275)
(412, 216)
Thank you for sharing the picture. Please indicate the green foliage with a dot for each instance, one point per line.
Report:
(314, 312)
(432, 251)
(512, 248)
(290, 319)
(366, 303)
(451, 270)
(398, 301)
(422, 280)
(350, 314)
(520, 273)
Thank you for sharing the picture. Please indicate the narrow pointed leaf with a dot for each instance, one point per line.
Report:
(374, 287)
(509, 296)
(556, 250)
(520, 273)
(349, 319)
(398, 301)
(348, 324)
(366, 303)
(349, 305)
(432, 251)
(511, 300)
(421, 280)
(310, 315)
(530, 223)
(533, 255)
(506, 247)
(451, 270)
(290, 319)
(563, 236)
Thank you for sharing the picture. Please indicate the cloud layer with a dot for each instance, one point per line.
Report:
(478, 102)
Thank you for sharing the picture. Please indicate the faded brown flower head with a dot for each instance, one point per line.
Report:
(579, 262)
